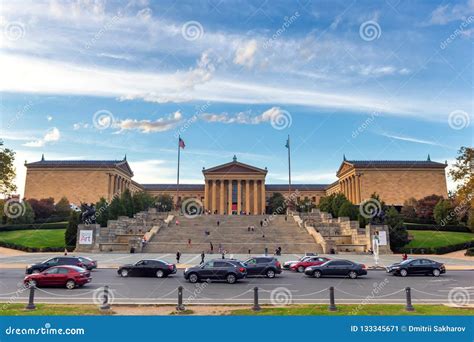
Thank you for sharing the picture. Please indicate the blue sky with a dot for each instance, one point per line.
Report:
(368, 79)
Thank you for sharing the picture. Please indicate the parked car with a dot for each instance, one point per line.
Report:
(65, 276)
(88, 263)
(147, 268)
(56, 261)
(300, 266)
(417, 266)
(287, 265)
(263, 266)
(218, 269)
(332, 268)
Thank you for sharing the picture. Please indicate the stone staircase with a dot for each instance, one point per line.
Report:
(232, 235)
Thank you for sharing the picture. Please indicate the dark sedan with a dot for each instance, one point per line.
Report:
(57, 261)
(219, 269)
(88, 263)
(417, 267)
(147, 268)
(263, 266)
(337, 268)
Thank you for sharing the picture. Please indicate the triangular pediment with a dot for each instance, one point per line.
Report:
(234, 167)
(345, 166)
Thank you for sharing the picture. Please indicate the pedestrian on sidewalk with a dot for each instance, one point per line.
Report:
(189, 242)
(404, 256)
(178, 256)
(218, 223)
(261, 223)
(202, 258)
(212, 247)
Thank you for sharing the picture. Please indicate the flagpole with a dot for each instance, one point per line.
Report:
(289, 170)
(177, 182)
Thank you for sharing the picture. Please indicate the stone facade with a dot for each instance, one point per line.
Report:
(236, 187)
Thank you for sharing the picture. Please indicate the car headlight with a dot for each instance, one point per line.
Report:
(395, 267)
(185, 270)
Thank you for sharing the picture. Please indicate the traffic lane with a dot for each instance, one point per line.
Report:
(376, 287)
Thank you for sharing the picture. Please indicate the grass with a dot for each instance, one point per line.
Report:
(360, 310)
(433, 238)
(51, 310)
(38, 238)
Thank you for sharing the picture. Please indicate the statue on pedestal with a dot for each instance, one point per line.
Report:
(88, 213)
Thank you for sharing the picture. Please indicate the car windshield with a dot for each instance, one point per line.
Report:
(404, 262)
(76, 268)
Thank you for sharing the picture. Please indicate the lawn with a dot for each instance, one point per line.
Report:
(38, 238)
(433, 238)
(350, 310)
(50, 310)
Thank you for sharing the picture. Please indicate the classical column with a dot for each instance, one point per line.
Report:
(262, 184)
(354, 191)
(349, 189)
(239, 196)
(213, 199)
(109, 189)
(221, 197)
(247, 196)
(359, 196)
(206, 196)
(255, 197)
(229, 211)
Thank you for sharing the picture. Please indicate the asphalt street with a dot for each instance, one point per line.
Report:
(289, 287)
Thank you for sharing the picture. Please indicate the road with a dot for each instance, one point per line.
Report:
(289, 287)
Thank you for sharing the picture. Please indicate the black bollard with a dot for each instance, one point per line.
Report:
(105, 300)
(180, 306)
(408, 307)
(31, 299)
(332, 302)
(256, 306)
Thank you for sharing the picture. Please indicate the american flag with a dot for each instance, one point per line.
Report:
(181, 143)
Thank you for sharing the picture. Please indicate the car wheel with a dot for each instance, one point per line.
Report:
(124, 273)
(353, 274)
(70, 284)
(270, 274)
(193, 278)
(403, 272)
(231, 278)
(436, 272)
(160, 274)
(317, 274)
(301, 269)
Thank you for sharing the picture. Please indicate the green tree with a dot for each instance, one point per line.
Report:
(7, 170)
(425, 206)
(463, 174)
(408, 210)
(444, 213)
(347, 209)
(27, 214)
(277, 204)
(116, 209)
(70, 236)
(398, 232)
(127, 201)
(337, 202)
(164, 203)
(63, 207)
(142, 201)
(325, 203)
(102, 212)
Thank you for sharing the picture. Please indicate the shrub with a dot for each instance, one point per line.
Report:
(52, 225)
(444, 213)
(398, 232)
(26, 217)
(70, 235)
(469, 252)
(408, 210)
(425, 206)
(43, 208)
(347, 209)
(63, 207)
(437, 250)
(337, 202)
(458, 228)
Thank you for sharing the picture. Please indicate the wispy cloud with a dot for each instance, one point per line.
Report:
(52, 135)
(411, 139)
(148, 126)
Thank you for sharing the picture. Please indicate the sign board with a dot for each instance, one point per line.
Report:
(383, 238)
(85, 237)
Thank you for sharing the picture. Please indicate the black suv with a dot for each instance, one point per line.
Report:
(218, 269)
(147, 268)
(263, 266)
(57, 261)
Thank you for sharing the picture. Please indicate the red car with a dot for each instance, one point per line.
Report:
(300, 266)
(65, 276)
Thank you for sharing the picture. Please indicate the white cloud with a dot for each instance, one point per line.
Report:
(245, 53)
(52, 135)
(244, 117)
(49, 118)
(411, 139)
(78, 125)
(148, 126)
(444, 14)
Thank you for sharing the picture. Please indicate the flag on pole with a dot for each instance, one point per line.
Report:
(287, 145)
(181, 143)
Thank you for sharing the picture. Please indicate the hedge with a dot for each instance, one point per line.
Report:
(52, 219)
(470, 252)
(417, 226)
(31, 249)
(437, 250)
(418, 220)
(51, 225)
